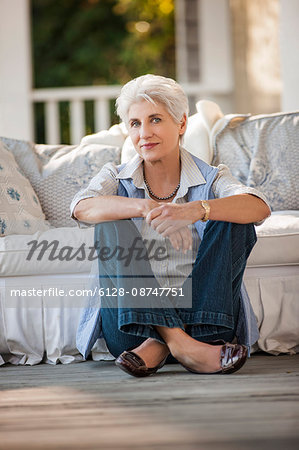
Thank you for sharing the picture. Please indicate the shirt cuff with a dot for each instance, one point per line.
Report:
(74, 203)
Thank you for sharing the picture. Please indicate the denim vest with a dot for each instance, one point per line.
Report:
(89, 329)
(200, 192)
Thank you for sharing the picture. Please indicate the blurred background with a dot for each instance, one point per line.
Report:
(63, 61)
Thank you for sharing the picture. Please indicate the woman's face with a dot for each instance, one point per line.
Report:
(154, 133)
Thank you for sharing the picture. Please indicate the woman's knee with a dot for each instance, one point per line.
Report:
(232, 234)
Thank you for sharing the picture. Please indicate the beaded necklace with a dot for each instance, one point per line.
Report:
(161, 198)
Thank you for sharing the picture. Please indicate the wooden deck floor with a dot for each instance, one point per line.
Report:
(94, 405)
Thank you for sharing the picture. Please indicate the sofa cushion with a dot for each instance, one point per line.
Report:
(20, 209)
(278, 241)
(55, 251)
(260, 151)
(58, 172)
(70, 250)
(115, 136)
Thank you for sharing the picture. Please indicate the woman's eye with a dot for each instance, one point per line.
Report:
(156, 119)
(134, 124)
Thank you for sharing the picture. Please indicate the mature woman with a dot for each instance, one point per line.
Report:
(179, 233)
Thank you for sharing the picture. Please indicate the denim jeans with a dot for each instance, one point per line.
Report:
(216, 281)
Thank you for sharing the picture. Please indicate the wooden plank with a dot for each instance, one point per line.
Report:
(94, 405)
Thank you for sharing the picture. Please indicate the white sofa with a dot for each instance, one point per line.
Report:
(42, 292)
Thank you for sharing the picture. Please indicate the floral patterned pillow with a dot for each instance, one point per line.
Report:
(263, 152)
(58, 172)
(20, 210)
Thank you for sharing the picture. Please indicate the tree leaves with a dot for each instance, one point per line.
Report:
(91, 42)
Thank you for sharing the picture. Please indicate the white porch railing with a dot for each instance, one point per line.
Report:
(101, 96)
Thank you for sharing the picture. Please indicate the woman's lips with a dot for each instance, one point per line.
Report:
(149, 145)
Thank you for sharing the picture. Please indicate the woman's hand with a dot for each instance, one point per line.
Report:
(148, 206)
(181, 239)
(168, 218)
(171, 220)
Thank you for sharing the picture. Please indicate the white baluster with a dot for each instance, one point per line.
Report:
(77, 121)
(52, 122)
(102, 114)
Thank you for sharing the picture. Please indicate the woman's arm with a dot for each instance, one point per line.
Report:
(244, 208)
(104, 208)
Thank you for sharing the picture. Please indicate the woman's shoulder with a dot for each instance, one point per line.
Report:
(202, 165)
(123, 170)
(110, 169)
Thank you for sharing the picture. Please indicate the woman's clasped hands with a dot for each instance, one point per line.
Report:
(173, 221)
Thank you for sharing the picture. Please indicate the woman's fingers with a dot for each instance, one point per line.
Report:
(175, 240)
(164, 227)
(153, 214)
(166, 211)
(181, 239)
(168, 227)
(186, 238)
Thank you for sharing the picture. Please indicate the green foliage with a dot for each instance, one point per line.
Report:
(149, 45)
(92, 42)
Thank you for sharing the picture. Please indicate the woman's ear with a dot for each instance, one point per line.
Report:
(183, 125)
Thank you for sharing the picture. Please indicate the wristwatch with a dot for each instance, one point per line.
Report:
(207, 209)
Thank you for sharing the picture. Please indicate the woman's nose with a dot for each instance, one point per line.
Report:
(145, 131)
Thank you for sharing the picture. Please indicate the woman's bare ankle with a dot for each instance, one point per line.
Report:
(190, 352)
(171, 335)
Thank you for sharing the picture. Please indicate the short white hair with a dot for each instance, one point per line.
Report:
(153, 88)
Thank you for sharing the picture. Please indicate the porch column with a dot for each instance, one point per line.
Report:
(289, 54)
(15, 70)
(204, 48)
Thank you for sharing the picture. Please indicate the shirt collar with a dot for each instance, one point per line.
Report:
(190, 173)
(133, 169)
